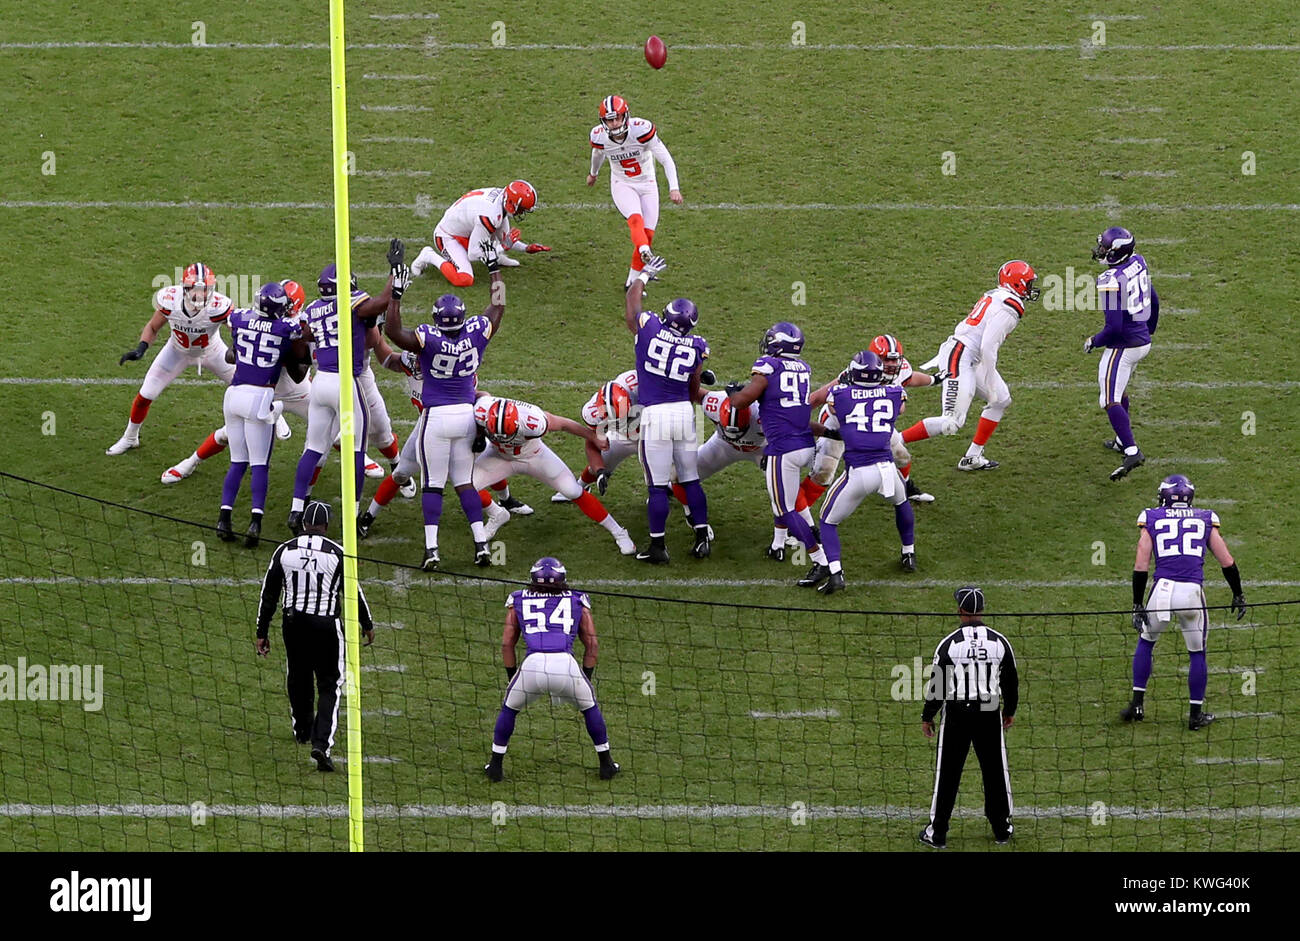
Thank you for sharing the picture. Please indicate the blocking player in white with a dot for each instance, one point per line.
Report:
(968, 363)
(292, 390)
(615, 411)
(514, 430)
(632, 145)
(195, 312)
(480, 217)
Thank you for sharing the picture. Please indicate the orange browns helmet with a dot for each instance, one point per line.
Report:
(614, 402)
(735, 421)
(200, 284)
(520, 197)
(296, 296)
(499, 418)
(1018, 277)
(890, 351)
(614, 115)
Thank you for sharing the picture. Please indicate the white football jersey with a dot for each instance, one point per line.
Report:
(192, 333)
(904, 373)
(750, 437)
(532, 425)
(485, 206)
(414, 378)
(593, 413)
(632, 160)
(992, 318)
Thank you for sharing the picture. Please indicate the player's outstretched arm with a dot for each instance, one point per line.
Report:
(819, 396)
(590, 646)
(697, 385)
(497, 308)
(1141, 567)
(632, 309)
(749, 393)
(585, 432)
(509, 638)
(399, 281)
(147, 336)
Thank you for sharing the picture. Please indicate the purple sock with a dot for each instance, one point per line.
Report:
(360, 471)
(261, 477)
(234, 477)
(505, 727)
(431, 503)
(596, 726)
(472, 504)
(1118, 416)
(697, 502)
(1124, 402)
(1142, 663)
(1196, 677)
(657, 510)
(302, 478)
(830, 541)
(905, 520)
(800, 530)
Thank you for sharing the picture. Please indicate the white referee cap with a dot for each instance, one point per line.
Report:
(970, 600)
(317, 513)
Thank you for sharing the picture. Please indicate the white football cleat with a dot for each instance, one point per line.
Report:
(409, 489)
(124, 444)
(505, 261)
(978, 462)
(494, 517)
(282, 429)
(624, 541)
(423, 260)
(174, 475)
(646, 254)
(373, 470)
(561, 498)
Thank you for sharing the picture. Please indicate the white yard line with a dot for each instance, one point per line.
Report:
(1122, 78)
(403, 16)
(1247, 715)
(1238, 761)
(369, 760)
(1129, 109)
(376, 77)
(627, 811)
(383, 668)
(413, 140)
(1137, 141)
(1173, 276)
(1187, 460)
(1181, 310)
(1183, 422)
(1130, 174)
(392, 173)
(1162, 241)
(1110, 17)
(391, 108)
(797, 714)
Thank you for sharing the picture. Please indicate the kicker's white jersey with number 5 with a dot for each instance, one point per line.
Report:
(633, 161)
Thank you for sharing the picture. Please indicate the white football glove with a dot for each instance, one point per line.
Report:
(653, 268)
(1087, 345)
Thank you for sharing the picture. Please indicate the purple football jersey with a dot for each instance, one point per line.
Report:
(322, 315)
(866, 416)
(665, 361)
(449, 362)
(548, 619)
(260, 344)
(1130, 304)
(784, 403)
(1179, 535)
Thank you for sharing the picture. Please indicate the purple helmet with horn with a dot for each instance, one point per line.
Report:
(328, 282)
(449, 313)
(548, 574)
(1114, 246)
(1176, 488)
(272, 300)
(680, 316)
(782, 339)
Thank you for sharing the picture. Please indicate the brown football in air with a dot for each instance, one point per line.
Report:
(656, 53)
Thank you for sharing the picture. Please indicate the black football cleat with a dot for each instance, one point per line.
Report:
(915, 493)
(701, 549)
(431, 560)
(295, 522)
(776, 555)
(1131, 462)
(516, 506)
(1002, 839)
(323, 761)
(608, 768)
(225, 529)
(1112, 444)
(816, 575)
(908, 561)
(482, 555)
(1199, 721)
(254, 534)
(655, 555)
(817, 534)
(928, 840)
(302, 738)
(364, 522)
(493, 768)
(1133, 712)
(833, 584)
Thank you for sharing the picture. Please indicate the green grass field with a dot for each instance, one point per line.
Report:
(819, 165)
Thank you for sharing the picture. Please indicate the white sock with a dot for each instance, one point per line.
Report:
(806, 513)
(192, 460)
(374, 508)
(836, 568)
(476, 530)
(221, 436)
(298, 504)
(431, 536)
(1132, 450)
(611, 524)
(631, 276)
(975, 450)
(818, 556)
(132, 430)
(909, 549)
(778, 537)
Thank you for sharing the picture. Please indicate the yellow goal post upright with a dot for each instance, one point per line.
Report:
(343, 261)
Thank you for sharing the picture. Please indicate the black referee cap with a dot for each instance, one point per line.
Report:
(317, 513)
(970, 600)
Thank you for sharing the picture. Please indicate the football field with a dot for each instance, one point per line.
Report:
(856, 171)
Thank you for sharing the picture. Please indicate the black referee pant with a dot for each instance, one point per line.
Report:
(313, 651)
(962, 727)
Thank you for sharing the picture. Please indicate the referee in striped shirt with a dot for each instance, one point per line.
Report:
(976, 685)
(306, 573)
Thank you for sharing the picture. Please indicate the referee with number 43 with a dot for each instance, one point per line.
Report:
(976, 685)
(307, 572)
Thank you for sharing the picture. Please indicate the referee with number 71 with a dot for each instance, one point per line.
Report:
(976, 685)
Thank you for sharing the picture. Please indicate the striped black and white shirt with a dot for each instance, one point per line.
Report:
(306, 576)
(975, 671)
